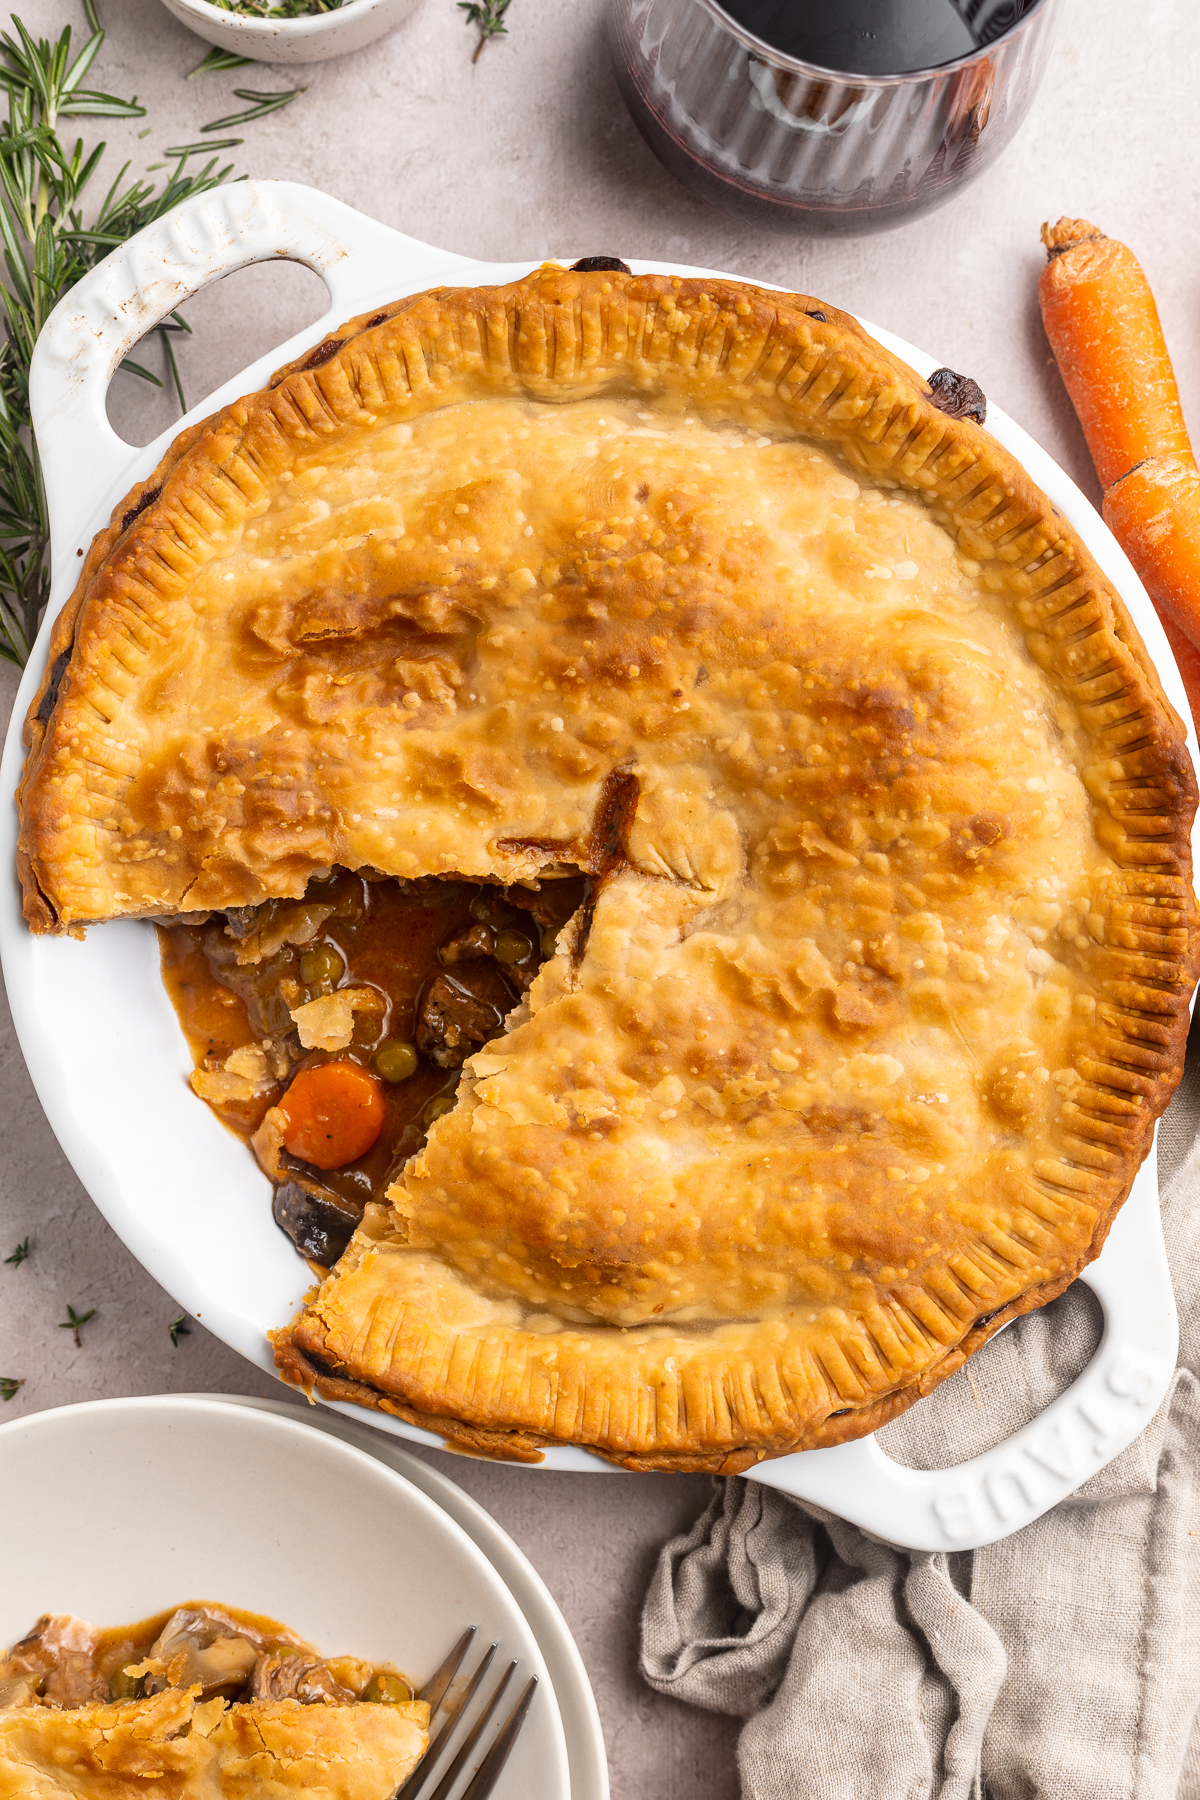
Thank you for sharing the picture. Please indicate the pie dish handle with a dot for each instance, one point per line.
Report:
(86, 466)
(1009, 1486)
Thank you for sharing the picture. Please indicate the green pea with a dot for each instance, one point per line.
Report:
(550, 940)
(385, 1689)
(489, 907)
(512, 947)
(125, 1686)
(436, 1107)
(395, 1061)
(320, 965)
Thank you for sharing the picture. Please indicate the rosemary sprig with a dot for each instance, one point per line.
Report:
(217, 61)
(137, 369)
(46, 247)
(488, 17)
(9, 1385)
(19, 1254)
(75, 1322)
(263, 104)
(190, 149)
(178, 1328)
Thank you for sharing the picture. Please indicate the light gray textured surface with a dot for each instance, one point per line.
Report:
(528, 154)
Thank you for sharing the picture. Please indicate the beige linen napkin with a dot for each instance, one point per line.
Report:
(1061, 1664)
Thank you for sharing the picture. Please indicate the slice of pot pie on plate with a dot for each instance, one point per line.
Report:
(200, 1703)
(776, 838)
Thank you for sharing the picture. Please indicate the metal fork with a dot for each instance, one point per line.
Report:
(487, 1773)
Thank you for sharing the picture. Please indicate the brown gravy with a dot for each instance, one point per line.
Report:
(116, 1645)
(414, 943)
(65, 1663)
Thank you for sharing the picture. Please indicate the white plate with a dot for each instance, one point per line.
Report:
(121, 1508)
(102, 1042)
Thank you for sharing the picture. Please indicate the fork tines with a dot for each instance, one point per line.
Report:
(454, 1711)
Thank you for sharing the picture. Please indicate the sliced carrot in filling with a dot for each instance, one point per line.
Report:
(334, 1114)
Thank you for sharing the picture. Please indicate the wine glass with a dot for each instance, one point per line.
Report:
(786, 143)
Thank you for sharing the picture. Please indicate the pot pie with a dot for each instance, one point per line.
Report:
(199, 1702)
(678, 614)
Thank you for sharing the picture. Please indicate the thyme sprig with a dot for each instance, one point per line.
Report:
(19, 1254)
(488, 18)
(47, 245)
(75, 1322)
(178, 1328)
(9, 1385)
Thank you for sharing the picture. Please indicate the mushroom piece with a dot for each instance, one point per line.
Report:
(17, 1690)
(199, 1645)
(317, 1225)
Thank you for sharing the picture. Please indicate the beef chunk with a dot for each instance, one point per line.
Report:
(457, 1014)
(293, 1675)
(57, 1661)
(469, 945)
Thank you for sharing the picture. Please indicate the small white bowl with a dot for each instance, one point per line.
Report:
(117, 1509)
(313, 39)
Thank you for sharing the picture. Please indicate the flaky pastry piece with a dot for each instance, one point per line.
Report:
(175, 1746)
(856, 1050)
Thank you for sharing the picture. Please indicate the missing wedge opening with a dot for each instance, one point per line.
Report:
(330, 1031)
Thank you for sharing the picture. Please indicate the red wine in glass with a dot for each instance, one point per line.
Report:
(875, 37)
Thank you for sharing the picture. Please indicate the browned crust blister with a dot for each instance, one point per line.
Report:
(559, 335)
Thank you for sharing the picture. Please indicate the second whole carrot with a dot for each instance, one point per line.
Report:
(1108, 342)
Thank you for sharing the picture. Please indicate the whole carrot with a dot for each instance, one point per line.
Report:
(1188, 658)
(1107, 340)
(1108, 343)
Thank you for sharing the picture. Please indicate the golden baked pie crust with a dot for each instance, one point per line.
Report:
(174, 1743)
(526, 1285)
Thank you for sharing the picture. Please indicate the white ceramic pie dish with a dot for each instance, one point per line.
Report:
(121, 1508)
(182, 1193)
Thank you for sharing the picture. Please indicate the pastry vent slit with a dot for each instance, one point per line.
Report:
(885, 1361)
(768, 351)
(961, 503)
(800, 394)
(1086, 599)
(1093, 628)
(148, 498)
(49, 699)
(830, 401)
(901, 452)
